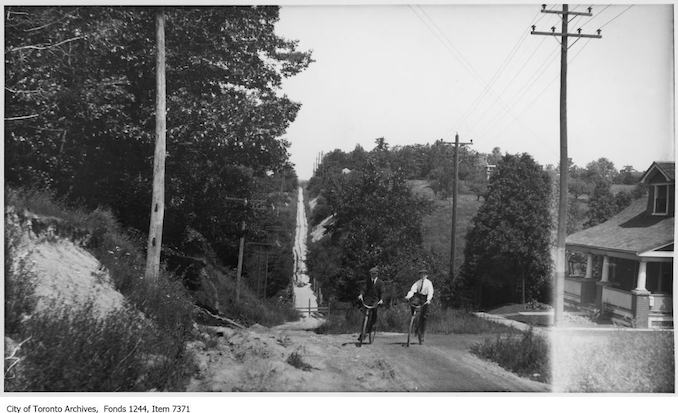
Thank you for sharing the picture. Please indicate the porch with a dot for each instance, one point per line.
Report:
(629, 292)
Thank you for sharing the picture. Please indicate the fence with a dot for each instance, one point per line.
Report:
(324, 310)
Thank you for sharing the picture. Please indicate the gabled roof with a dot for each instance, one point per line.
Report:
(630, 231)
(668, 169)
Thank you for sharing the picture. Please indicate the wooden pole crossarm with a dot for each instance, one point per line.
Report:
(569, 13)
(592, 36)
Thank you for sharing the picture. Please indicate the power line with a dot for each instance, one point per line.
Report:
(536, 75)
(615, 17)
(500, 70)
(523, 89)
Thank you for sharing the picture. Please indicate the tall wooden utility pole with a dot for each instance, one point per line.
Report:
(455, 195)
(559, 278)
(158, 202)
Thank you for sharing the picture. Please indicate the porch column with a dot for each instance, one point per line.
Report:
(606, 269)
(642, 276)
(641, 299)
(600, 285)
(589, 265)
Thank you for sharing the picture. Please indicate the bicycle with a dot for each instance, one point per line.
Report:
(363, 332)
(414, 323)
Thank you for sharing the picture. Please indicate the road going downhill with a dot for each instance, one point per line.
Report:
(289, 357)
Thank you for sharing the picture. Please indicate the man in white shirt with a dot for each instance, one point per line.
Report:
(421, 293)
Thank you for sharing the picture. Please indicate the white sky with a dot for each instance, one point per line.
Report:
(383, 71)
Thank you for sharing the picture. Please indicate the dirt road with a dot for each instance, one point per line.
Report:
(257, 359)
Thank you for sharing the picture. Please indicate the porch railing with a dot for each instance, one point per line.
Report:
(617, 298)
(661, 303)
(573, 288)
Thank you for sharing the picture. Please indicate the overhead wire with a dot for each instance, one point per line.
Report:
(497, 120)
(615, 17)
(507, 60)
(548, 85)
(435, 29)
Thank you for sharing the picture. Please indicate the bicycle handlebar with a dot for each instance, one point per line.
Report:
(368, 306)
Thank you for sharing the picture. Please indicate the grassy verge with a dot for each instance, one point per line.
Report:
(396, 319)
(526, 354)
(615, 361)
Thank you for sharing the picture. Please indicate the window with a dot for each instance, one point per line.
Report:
(661, 199)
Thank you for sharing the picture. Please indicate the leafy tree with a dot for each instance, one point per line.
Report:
(377, 222)
(578, 188)
(601, 170)
(602, 205)
(507, 249)
(80, 111)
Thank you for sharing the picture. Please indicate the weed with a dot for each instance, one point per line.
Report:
(295, 360)
(526, 354)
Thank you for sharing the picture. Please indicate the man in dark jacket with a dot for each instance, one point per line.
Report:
(371, 294)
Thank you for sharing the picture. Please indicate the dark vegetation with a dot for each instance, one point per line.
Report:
(79, 116)
(526, 354)
(498, 264)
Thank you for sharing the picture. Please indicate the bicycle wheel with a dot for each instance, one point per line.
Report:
(364, 330)
(409, 331)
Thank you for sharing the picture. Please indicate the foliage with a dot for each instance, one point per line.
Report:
(604, 205)
(80, 85)
(507, 249)
(377, 222)
(526, 354)
(72, 350)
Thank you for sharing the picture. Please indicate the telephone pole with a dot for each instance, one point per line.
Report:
(455, 195)
(154, 248)
(559, 278)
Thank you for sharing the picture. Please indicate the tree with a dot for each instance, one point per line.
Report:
(80, 92)
(507, 249)
(377, 222)
(602, 205)
(601, 169)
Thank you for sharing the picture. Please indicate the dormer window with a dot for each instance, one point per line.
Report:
(661, 199)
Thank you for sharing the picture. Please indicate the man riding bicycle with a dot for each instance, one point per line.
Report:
(421, 293)
(371, 294)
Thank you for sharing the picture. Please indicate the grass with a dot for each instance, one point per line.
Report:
(616, 361)
(526, 354)
(396, 319)
(435, 227)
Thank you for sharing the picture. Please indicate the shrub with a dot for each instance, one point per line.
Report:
(72, 350)
(295, 360)
(526, 354)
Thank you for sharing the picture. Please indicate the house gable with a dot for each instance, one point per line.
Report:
(660, 181)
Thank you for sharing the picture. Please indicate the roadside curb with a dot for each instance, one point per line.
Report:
(511, 323)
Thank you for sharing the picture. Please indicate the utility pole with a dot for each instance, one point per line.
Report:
(559, 278)
(241, 251)
(455, 195)
(158, 200)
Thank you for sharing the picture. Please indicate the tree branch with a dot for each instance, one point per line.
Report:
(35, 115)
(45, 47)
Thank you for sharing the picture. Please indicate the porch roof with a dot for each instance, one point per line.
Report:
(631, 231)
